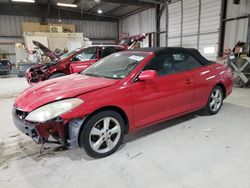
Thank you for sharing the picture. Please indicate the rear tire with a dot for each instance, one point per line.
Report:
(102, 134)
(215, 101)
(56, 75)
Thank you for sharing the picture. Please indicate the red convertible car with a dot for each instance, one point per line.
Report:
(123, 92)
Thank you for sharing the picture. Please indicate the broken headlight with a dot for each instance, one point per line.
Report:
(53, 110)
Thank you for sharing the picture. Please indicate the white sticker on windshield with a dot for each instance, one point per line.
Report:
(135, 57)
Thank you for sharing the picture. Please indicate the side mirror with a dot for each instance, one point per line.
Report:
(147, 75)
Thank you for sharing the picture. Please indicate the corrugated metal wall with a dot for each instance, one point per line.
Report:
(236, 30)
(12, 25)
(174, 24)
(7, 46)
(210, 20)
(92, 29)
(143, 22)
(198, 26)
(11, 31)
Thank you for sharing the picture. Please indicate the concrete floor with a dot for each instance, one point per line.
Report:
(189, 152)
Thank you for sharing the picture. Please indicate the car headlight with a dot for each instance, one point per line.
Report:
(53, 110)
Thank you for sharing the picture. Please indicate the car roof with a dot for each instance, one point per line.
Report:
(163, 50)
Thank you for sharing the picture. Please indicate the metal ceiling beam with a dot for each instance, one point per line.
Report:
(155, 1)
(97, 6)
(130, 2)
(116, 9)
(77, 2)
(41, 10)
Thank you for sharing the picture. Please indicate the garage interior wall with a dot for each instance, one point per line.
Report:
(195, 24)
(98, 31)
(236, 30)
(191, 23)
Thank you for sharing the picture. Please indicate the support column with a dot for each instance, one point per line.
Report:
(159, 11)
(166, 27)
(158, 25)
(248, 35)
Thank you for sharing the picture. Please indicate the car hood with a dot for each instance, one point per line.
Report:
(59, 88)
(46, 50)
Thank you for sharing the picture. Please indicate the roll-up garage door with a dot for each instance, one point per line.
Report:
(195, 24)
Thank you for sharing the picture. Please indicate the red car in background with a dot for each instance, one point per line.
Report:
(75, 61)
(124, 92)
(69, 63)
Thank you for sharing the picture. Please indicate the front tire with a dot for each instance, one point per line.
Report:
(215, 101)
(102, 134)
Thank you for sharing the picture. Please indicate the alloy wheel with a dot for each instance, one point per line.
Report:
(105, 135)
(215, 100)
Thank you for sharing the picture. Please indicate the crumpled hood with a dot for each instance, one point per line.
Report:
(60, 88)
(46, 50)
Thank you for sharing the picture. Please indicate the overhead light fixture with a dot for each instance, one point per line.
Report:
(66, 5)
(24, 1)
(99, 11)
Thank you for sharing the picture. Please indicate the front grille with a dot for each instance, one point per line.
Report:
(21, 114)
(24, 126)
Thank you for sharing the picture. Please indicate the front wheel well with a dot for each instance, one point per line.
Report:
(114, 108)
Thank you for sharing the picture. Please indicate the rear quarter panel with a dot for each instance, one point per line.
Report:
(205, 79)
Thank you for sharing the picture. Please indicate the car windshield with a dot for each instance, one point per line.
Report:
(115, 66)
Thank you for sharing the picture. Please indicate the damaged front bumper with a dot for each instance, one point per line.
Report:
(25, 127)
(36, 74)
(63, 133)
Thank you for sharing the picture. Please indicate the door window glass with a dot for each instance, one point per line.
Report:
(87, 54)
(167, 64)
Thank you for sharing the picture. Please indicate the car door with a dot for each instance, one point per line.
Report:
(167, 95)
(202, 77)
(84, 59)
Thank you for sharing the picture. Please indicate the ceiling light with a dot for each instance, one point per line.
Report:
(66, 5)
(99, 11)
(24, 1)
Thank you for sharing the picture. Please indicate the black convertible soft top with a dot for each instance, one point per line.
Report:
(163, 50)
